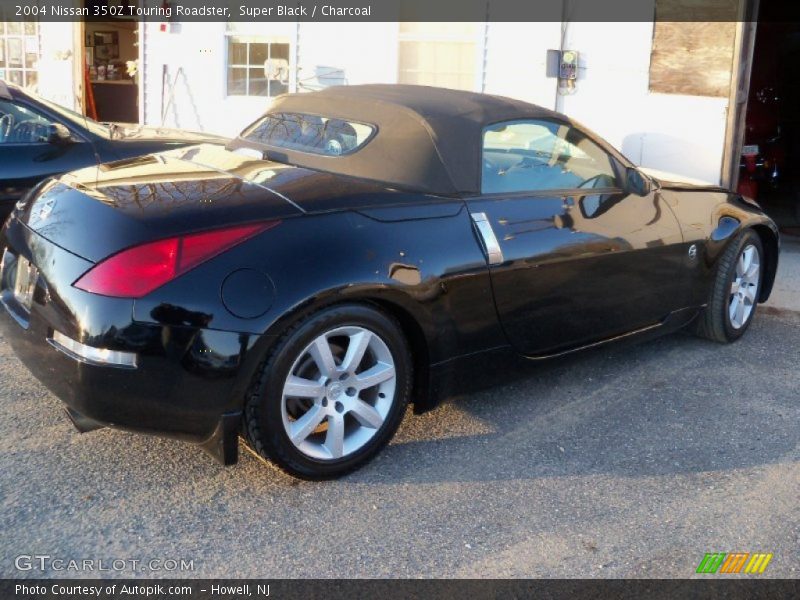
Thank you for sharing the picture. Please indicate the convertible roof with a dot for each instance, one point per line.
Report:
(428, 139)
(5, 93)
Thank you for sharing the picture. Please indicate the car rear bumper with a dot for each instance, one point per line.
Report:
(187, 383)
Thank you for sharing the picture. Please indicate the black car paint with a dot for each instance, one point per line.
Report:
(615, 270)
(23, 165)
(417, 256)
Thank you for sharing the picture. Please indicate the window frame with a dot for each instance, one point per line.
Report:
(23, 37)
(253, 39)
(478, 39)
(618, 163)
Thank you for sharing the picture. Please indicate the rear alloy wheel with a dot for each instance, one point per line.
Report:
(338, 392)
(737, 285)
(332, 394)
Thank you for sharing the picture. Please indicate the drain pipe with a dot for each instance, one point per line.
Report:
(559, 102)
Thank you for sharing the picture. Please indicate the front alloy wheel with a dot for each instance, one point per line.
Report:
(744, 289)
(735, 291)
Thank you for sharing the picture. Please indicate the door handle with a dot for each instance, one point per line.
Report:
(490, 243)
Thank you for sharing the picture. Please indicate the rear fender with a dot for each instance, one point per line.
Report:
(430, 274)
(428, 271)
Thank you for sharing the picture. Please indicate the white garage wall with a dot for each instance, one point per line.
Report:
(56, 64)
(192, 95)
(515, 61)
(346, 53)
(683, 134)
(195, 54)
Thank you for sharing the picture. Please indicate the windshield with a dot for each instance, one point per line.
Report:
(77, 118)
(309, 133)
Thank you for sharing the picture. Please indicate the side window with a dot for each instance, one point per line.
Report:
(540, 155)
(20, 125)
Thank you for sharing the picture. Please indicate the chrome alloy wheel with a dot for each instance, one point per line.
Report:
(744, 289)
(338, 393)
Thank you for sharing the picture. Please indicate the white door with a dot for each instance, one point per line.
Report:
(60, 64)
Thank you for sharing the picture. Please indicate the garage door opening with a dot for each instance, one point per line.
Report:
(111, 52)
(771, 144)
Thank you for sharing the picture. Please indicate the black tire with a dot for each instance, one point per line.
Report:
(715, 322)
(263, 422)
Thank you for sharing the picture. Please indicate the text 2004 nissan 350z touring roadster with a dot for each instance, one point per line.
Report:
(354, 250)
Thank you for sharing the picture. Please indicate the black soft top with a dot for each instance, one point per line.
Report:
(428, 139)
(5, 92)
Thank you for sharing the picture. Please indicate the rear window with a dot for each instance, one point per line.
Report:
(309, 133)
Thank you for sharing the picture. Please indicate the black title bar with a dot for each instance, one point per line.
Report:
(265, 11)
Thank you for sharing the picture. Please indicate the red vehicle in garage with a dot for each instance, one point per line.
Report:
(764, 150)
(771, 125)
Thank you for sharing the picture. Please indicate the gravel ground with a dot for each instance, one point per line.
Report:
(786, 292)
(624, 462)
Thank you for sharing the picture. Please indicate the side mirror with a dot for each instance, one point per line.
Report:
(636, 182)
(58, 134)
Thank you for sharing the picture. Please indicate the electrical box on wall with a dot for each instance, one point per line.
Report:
(568, 69)
(563, 65)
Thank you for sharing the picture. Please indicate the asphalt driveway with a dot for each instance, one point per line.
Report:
(624, 462)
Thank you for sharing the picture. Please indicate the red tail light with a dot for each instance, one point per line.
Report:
(137, 271)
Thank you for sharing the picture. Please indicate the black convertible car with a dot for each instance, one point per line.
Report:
(39, 139)
(354, 250)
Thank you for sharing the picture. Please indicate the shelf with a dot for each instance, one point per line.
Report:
(113, 81)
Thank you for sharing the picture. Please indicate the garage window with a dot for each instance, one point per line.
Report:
(19, 53)
(257, 66)
(439, 54)
(693, 47)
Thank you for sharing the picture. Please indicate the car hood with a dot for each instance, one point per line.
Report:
(132, 201)
(674, 181)
(132, 131)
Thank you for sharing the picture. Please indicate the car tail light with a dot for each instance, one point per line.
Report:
(137, 271)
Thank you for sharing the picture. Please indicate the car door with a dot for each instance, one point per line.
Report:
(574, 258)
(26, 155)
